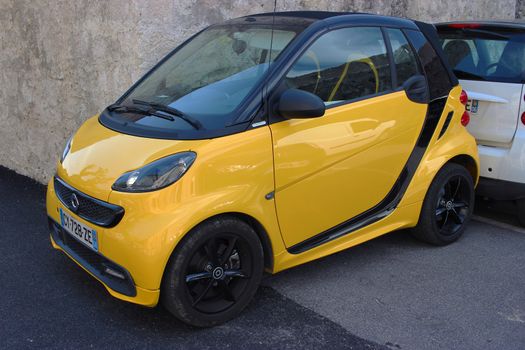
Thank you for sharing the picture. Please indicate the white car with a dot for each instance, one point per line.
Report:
(488, 57)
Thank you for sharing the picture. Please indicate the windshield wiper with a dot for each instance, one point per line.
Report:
(127, 109)
(171, 111)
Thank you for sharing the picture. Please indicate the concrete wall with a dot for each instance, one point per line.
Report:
(62, 61)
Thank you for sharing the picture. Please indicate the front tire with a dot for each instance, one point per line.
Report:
(447, 207)
(214, 272)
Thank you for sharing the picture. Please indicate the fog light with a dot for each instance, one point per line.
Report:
(114, 273)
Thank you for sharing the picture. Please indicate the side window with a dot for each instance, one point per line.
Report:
(437, 75)
(404, 57)
(342, 65)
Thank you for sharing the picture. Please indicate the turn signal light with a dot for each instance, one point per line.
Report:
(523, 118)
(465, 118)
(463, 98)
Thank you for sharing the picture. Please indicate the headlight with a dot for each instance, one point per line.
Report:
(155, 175)
(66, 149)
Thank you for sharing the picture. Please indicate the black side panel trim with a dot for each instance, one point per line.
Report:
(394, 196)
(430, 32)
(446, 124)
(435, 109)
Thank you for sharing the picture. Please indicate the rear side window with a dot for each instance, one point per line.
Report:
(404, 57)
(437, 76)
(344, 64)
(485, 55)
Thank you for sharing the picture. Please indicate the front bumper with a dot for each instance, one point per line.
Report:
(95, 264)
(106, 271)
(118, 254)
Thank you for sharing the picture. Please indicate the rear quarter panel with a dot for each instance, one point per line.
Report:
(456, 141)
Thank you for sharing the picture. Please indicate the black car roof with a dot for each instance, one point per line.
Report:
(305, 18)
(316, 15)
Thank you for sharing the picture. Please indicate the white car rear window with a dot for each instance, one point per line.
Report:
(480, 54)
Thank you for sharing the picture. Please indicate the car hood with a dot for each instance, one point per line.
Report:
(98, 156)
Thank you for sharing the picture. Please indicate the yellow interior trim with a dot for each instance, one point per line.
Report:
(365, 60)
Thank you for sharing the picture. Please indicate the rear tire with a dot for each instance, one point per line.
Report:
(447, 207)
(214, 272)
(520, 204)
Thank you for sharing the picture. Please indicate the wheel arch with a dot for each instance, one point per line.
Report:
(250, 220)
(261, 232)
(469, 163)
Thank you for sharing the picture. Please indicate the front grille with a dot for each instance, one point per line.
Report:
(91, 209)
(94, 262)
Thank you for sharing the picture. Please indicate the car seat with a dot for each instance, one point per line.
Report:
(459, 55)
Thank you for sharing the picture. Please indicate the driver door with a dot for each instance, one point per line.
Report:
(332, 168)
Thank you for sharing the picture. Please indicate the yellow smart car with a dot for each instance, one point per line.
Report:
(259, 144)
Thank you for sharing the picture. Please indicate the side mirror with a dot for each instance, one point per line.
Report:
(416, 88)
(294, 103)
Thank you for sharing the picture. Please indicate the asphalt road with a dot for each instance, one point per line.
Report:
(389, 293)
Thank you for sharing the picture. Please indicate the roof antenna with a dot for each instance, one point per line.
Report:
(273, 24)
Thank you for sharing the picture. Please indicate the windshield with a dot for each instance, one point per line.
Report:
(206, 80)
(485, 55)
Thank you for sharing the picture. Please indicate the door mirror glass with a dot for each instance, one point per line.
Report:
(295, 103)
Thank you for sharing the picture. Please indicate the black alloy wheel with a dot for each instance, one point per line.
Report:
(447, 207)
(213, 273)
(453, 205)
(218, 273)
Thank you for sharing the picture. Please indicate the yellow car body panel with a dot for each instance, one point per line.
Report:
(231, 175)
(456, 142)
(347, 161)
(98, 156)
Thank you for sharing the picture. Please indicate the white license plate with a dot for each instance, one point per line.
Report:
(472, 106)
(81, 232)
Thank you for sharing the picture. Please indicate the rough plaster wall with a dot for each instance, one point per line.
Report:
(60, 62)
(520, 8)
(164, 24)
(63, 61)
(462, 9)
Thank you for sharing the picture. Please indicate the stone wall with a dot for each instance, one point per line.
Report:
(63, 61)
